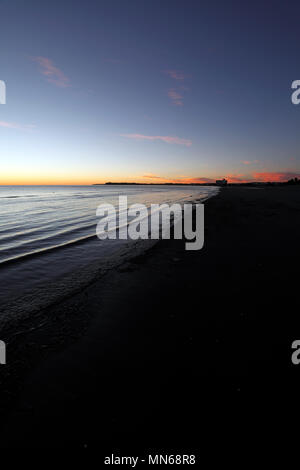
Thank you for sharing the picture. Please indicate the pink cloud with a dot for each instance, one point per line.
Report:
(175, 97)
(237, 178)
(198, 179)
(177, 75)
(231, 178)
(167, 139)
(13, 125)
(278, 177)
(249, 162)
(272, 176)
(151, 176)
(180, 179)
(53, 74)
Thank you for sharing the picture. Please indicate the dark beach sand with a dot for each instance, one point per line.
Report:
(173, 345)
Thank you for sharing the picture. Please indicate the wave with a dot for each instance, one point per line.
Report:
(62, 237)
(41, 251)
(15, 197)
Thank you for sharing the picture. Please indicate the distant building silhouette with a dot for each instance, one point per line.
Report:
(222, 182)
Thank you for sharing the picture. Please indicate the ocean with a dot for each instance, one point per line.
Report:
(47, 236)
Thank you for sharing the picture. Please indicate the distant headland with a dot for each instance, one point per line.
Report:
(223, 182)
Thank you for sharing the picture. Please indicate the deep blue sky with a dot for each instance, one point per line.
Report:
(142, 90)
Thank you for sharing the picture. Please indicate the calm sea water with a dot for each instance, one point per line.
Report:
(49, 222)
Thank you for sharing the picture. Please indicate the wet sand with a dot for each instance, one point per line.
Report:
(171, 344)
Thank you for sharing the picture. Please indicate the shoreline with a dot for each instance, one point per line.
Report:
(176, 312)
(54, 289)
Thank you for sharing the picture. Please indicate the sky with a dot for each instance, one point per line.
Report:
(148, 91)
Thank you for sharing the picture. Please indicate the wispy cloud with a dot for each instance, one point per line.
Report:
(275, 176)
(176, 74)
(13, 125)
(153, 177)
(249, 162)
(54, 75)
(179, 179)
(175, 94)
(197, 179)
(175, 97)
(166, 138)
(237, 178)
(263, 177)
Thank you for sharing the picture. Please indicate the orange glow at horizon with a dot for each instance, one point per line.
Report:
(55, 179)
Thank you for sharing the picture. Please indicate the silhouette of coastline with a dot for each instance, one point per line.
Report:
(291, 182)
